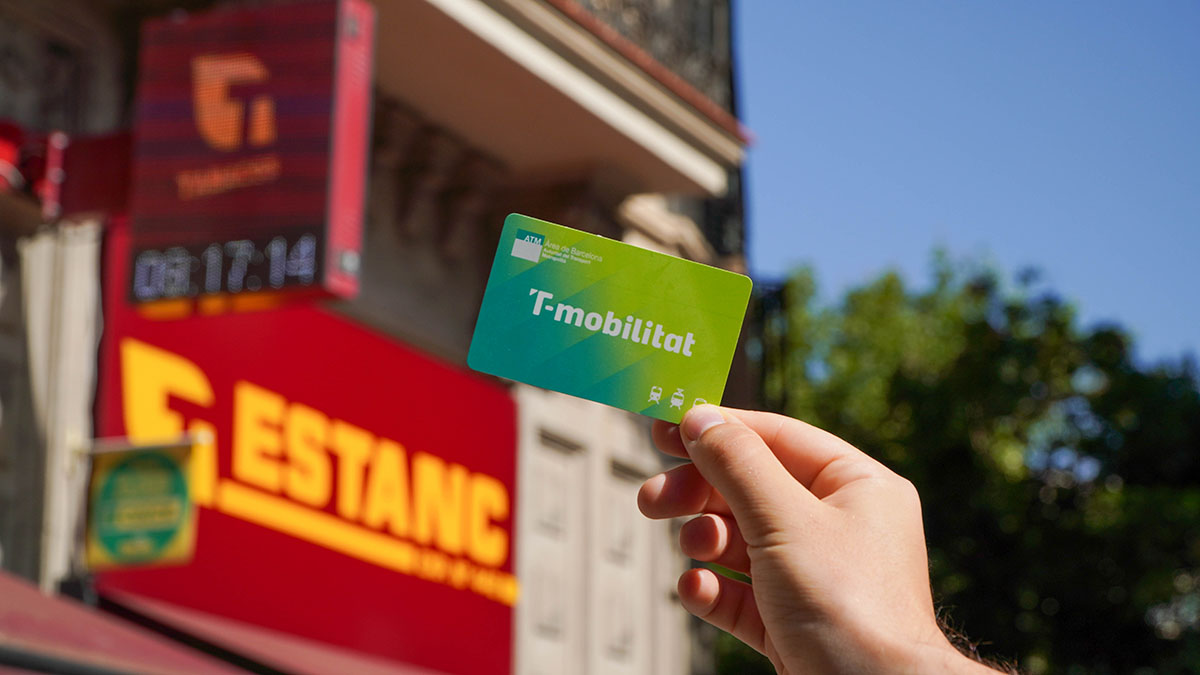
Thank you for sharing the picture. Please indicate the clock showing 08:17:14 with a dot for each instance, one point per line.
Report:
(224, 267)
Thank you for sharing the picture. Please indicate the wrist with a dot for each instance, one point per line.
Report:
(945, 658)
(906, 653)
(930, 652)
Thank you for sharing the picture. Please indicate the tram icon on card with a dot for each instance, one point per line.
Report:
(677, 399)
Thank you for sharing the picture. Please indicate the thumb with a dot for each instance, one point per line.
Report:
(736, 461)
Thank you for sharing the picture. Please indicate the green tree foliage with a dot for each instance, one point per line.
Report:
(1060, 480)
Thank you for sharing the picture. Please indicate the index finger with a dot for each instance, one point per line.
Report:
(666, 438)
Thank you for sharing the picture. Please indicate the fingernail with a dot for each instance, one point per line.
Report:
(655, 483)
(699, 420)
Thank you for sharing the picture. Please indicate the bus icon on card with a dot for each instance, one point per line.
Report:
(528, 245)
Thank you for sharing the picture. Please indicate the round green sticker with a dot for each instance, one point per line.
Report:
(141, 504)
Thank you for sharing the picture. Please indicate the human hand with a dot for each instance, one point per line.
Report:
(831, 538)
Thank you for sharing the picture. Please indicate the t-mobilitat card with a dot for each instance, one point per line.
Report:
(606, 321)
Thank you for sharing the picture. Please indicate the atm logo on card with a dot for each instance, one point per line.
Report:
(528, 245)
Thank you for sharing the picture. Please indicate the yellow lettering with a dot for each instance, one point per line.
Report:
(151, 376)
(460, 573)
(352, 445)
(483, 582)
(507, 590)
(438, 502)
(488, 544)
(280, 446)
(434, 566)
(308, 476)
(387, 489)
(257, 416)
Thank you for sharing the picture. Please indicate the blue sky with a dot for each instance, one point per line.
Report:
(1059, 135)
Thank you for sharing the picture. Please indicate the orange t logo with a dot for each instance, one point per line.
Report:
(221, 119)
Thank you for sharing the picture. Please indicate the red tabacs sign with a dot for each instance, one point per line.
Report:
(357, 492)
(250, 150)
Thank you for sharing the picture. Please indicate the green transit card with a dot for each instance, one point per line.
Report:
(607, 321)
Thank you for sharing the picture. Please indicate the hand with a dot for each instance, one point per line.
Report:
(831, 539)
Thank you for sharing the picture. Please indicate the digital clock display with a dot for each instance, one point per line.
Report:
(225, 267)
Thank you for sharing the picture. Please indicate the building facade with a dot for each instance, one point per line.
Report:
(610, 116)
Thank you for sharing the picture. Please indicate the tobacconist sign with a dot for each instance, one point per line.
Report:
(250, 151)
(140, 510)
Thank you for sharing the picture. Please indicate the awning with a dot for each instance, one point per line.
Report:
(58, 634)
(274, 649)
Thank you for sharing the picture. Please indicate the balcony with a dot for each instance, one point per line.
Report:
(688, 37)
(543, 88)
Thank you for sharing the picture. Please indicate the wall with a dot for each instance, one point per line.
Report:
(60, 68)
